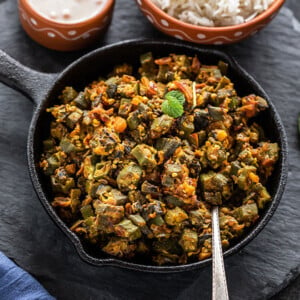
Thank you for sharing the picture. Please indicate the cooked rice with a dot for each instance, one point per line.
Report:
(213, 13)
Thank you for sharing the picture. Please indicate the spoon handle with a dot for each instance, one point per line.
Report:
(219, 284)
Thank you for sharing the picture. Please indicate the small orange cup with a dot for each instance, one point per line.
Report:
(64, 36)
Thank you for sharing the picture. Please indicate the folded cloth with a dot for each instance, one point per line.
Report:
(16, 284)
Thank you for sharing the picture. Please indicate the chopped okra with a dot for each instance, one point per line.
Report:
(136, 162)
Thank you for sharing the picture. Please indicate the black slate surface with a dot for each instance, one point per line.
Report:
(28, 236)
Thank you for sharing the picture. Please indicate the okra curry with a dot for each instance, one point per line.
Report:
(137, 161)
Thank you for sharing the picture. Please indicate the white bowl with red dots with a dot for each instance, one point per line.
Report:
(65, 25)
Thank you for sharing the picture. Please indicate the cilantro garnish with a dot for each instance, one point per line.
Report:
(173, 105)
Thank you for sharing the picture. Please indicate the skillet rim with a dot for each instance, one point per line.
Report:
(282, 166)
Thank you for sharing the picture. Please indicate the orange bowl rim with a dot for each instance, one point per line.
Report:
(273, 8)
(102, 13)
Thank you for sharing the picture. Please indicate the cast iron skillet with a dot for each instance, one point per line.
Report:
(44, 89)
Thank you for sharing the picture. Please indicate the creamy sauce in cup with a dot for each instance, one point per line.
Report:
(67, 11)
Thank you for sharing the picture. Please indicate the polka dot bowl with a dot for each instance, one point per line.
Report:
(64, 36)
(206, 35)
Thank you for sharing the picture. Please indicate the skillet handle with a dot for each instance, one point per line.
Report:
(31, 83)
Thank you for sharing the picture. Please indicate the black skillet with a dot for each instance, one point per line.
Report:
(44, 89)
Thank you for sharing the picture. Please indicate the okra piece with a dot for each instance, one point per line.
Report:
(164, 75)
(53, 163)
(161, 126)
(68, 94)
(197, 217)
(223, 66)
(219, 181)
(217, 113)
(151, 210)
(91, 188)
(128, 230)
(246, 213)
(81, 102)
(119, 247)
(244, 180)
(61, 181)
(138, 220)
(118, 197)
(112, 80)
(125, 108)
(213, 198)
(58, 130)
(234, 168)
(87, 211)
(213, 72)
(127, 90)
(74, 196)
(171, 172)
(174, 201)
(167, 146)
(197, 139)
(189, 240)
(60, 187)
(186, 125)
(88, 168)
(207, 181)
(146, 59)
(261, 103)
(149, 188)
(109, 195)
(111, 90)
(107, 215)
(102, 189)
(104, 141)
(215, 154)
(225, 82)
(234, 103)
(262, 195)
(201, 119)
(133, 120)
(145, 155)
(74, 117)
(175, 216)
(102, 170)
(48, 144)
(129, 177)
(148, 68)
(229, 226)
(67, 146)
(167, 246)
(246, 157)
(158, 220)
(222, 94)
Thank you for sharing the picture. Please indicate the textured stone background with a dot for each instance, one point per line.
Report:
(28, 236)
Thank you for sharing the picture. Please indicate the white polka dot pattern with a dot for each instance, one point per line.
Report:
(72, 35)
(238, 33)
(72, 32)
(168, 26)
(164, 22)
(33, 21)
(201, 36)
(51, 34)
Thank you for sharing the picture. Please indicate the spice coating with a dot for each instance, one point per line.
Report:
(136, 162)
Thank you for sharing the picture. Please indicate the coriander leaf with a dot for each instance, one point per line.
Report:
(172, 107)
(177, 95)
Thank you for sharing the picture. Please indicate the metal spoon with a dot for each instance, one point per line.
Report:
(219, 284)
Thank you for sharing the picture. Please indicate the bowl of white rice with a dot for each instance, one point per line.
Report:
(210, 21)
